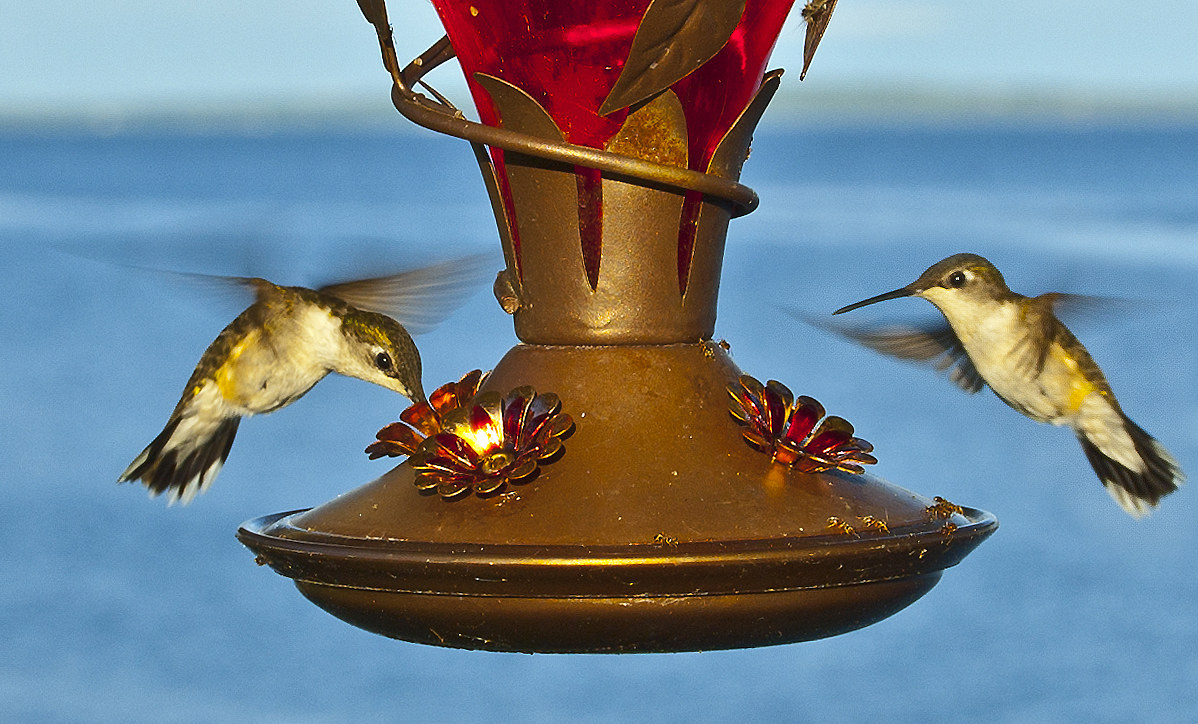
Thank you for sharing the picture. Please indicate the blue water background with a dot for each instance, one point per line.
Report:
(114, 608)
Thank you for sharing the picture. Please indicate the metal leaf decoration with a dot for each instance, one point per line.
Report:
(817, 13)
(674, 38)
(374, 10)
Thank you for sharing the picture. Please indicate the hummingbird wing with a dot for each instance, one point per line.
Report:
(933, 343)
(1039, 331)
(418, 299)
(1097, 310)
(1043, 328)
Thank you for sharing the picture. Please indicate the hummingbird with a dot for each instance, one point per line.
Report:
(289, 339)
(1033, 363)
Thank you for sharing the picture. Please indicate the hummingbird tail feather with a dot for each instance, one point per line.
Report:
(182, 468)
(1136, 491)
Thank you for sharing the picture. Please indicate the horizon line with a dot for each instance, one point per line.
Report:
(848, 105)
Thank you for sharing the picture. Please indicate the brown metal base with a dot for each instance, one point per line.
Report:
(659, 529)
(620, 625)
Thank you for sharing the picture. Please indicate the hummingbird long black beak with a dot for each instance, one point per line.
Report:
(906, 291)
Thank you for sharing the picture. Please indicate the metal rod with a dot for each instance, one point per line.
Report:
(441, 116)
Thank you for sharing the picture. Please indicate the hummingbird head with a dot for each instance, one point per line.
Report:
(378, 349)
(961, 279)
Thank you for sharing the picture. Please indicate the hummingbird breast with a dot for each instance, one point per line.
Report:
(277, 360)
(1030, 371)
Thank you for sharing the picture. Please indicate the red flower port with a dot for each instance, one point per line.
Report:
(460, 441)
(790, 429)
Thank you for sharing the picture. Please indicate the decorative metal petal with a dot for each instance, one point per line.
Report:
(454, 448)
(803, 417)
(418, 458)
(442, 477)
(489, 485)
(859, 445)
(422, 417)
(562, 424)
(537, 430)
(777, 402)
(831, 433)
(443, 468)
(452, 490)
(515, 408)
(546, 404)
(444, 398)
(385, 448)
(457, 422)
(757, 440)
(785, 454)
(467, 387)
(782, 392)
(811, 465)
(550, 447)
(755, 393)
(540, 412)
(537, 433)
(817, 13)
(738, 406)
(425, 481)
(480, 418)
(522, 470)
(401, 437)
(453, 395)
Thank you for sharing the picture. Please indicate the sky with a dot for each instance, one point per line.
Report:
(70, 54)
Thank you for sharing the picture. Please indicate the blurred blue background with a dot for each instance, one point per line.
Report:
(232, 139)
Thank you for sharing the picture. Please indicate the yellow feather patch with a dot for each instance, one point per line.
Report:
(225, 375)
(1080, 388)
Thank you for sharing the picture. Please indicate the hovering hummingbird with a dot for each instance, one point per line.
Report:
(1017, 346)
(289, 339)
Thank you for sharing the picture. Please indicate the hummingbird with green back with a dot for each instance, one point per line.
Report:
(1018, 346)
(289, 339)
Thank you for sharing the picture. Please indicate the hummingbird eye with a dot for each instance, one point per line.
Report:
(382, 360)
(956, 280)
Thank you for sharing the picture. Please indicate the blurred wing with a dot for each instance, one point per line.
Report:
(221, 287)
(934, 343)
(213, 282)
(1088, 308)
(421, 298)
(1041, 314)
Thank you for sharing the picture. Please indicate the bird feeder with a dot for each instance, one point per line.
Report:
(616, 483)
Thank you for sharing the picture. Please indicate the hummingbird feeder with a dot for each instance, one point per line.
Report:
(611, 143)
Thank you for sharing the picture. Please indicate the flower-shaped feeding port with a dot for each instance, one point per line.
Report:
(460, 442)
(425, 419)
(790, 429)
